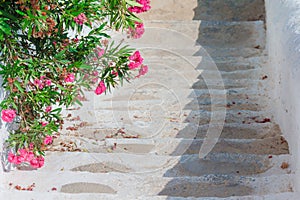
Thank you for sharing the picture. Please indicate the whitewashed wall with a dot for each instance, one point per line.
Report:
(283, 38)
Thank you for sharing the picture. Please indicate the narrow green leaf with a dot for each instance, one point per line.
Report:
(17, 84)
(133, 3)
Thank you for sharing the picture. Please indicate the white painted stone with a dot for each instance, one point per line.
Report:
(283, 38)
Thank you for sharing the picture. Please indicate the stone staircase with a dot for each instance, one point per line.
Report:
(207, 69)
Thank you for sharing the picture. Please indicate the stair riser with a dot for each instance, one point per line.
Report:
(246, 10)
(198, 51)
(224, 35)
(177, 147)
(188, 131)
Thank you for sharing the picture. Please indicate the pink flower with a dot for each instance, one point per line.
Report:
(145, 6)
(48, 109)
(48, 82)
(48, 140)
(23, 154)
(41, 86)
(80, 19)
(133, 65)
(114, 73)
(99, 51)
(34, 163)
(37, 162)
(19, 159)
(143, 70)
(136, 59)
(95, 80)
(70, 78)
(100, 88)
(30, 156)
(8, 115)
(137, 31)
(95, 73)
(31, 146)
(44, 124)
(75, 40)
(11, 157)
(37, 82)
(41, 161)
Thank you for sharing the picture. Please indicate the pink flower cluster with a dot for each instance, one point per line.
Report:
(136, 61)
(143, 70)
(80, 19)
(44, 124)
(41, 82)
(48, 140)
(137, 31)
(70, 78)
(99, 51)
(48, 109)
(144, 8)
(114, 73)
(25, 155)
(8, 115)
(100, 88)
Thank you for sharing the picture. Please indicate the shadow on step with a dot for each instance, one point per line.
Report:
(230, 10)
(219, 173)
(231, 25)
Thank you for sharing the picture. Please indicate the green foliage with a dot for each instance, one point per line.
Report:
(37, 56)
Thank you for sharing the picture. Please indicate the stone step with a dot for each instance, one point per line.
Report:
(168, 166)
(202, 50)
(183, 130)
(150, 95)
(187, 101)
(228, 84)
(137, 185)
(24, 195)
(149, 116)
(172, 146)
(254, 74)
(91, 196)
(158, 72)
(172, 34)
(177, 146)
(228, 10)
(183, 83)
(203, 63)
(154, 92)
(196, 81)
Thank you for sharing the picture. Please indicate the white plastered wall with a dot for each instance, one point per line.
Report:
(283, 43)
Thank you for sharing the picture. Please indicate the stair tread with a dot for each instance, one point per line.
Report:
(120, 183)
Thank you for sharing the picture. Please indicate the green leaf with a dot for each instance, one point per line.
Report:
(20, 12)
(85, 66)
(78, 102)
(57, 110)
(17, 84)
(133, 3)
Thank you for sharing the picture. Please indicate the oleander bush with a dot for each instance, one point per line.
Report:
(48, 59)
